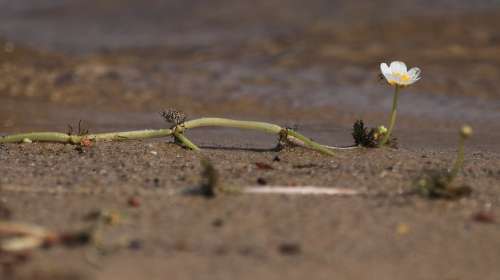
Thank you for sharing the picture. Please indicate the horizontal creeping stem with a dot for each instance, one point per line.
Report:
(309, 143)
(176, 131)
(131, 135)
(261, 126)
(39, 137)
(75, 139)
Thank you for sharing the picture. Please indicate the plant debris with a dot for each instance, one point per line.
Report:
(261, 181)
(484, 217)
(283, 141)
(135, 244)
(298, 190)
(369, 137)
(209, 181)
(439, 185)
(5, 212)
(86, 142)
(305, 165)
(263, 166)
(21, 238)
(81, 130)
(289, 248)
(209, 185)
(134, 201)
(103, 216)
(362, 136)
(173, 116)
(218, 222)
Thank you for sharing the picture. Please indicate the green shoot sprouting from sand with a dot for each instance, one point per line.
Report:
(439, 184)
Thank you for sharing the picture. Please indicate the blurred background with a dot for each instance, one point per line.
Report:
(116, 64)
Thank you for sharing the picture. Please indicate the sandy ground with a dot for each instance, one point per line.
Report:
(316, 76)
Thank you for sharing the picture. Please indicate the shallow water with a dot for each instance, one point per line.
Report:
(86, 25)
(299, 55)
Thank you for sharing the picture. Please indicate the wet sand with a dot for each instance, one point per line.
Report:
(310, 72)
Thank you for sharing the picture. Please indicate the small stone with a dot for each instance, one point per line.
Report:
(218, 222)
(135, 244)
(86, 142)
(156, 182)
(261, 181)
(134, 202)
(289, 248)
(402, 229)
(263, 166)
(484, 217)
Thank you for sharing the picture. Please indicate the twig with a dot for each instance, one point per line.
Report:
(299, 190)
(19, 237)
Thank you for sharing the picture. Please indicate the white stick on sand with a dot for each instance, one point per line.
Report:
(299, 190)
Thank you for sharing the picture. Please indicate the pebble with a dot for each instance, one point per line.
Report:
(289, 248)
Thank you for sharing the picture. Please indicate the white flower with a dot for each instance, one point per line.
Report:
(398, 74)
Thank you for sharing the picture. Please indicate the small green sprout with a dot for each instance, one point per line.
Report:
(439, 184)
(209, 179)
(210, 186)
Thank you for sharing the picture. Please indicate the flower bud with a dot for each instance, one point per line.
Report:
(466, 131)
(382, 129)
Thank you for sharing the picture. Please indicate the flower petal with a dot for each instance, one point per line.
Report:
(398, 67)
(384, 68)
(414, 73)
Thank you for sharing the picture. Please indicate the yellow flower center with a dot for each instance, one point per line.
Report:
(403, 77)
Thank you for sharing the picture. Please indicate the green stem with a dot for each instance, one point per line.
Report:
(176, 132)
(353, 147)
(75, 139)
(131, 135)
(309, 143)
(260, 126)
(392, 120)
(39, 137)
(186, 141)
(459, 161)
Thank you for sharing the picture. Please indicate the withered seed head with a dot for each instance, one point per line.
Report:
(173, 116)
